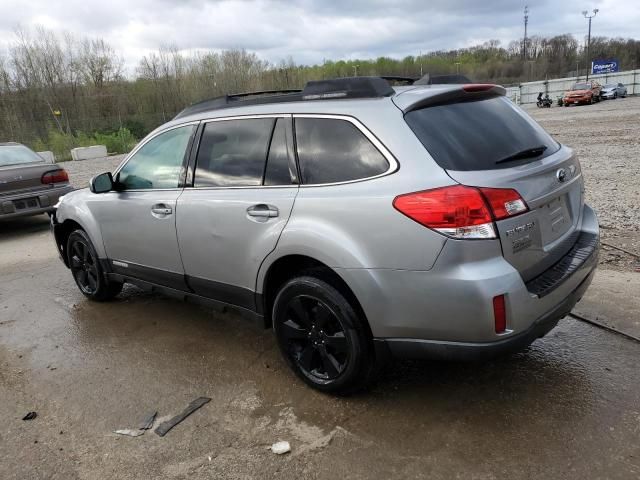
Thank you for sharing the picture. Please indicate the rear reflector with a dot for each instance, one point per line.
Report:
(460, 211)
(55, 176)
(499, 314)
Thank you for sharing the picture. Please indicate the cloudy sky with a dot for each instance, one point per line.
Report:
(312, 30)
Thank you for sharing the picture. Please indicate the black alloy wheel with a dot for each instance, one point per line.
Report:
(84, 266)
(321, 335)
(315, 338)
(86, 269)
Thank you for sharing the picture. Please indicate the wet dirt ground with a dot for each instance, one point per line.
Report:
(568, 407)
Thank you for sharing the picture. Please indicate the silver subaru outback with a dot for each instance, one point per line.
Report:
(360, 221)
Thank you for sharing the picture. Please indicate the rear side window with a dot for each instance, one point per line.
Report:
(332, 150)
(480, 135)
(233, 153)
(278, 170)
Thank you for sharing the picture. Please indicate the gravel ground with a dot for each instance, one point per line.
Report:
(80, 172)
(606, 137)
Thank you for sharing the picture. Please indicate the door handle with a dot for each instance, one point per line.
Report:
(161, 209)
(262, 211)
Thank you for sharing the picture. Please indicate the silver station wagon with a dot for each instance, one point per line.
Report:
(358, 220)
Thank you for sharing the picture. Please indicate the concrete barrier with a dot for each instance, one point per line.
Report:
(48, 156)
(86, 153)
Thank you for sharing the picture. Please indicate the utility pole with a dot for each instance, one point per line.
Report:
(526, 22)
(355, 70)
(457, 68)
(586, 15)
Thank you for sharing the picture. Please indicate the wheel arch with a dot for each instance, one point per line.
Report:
(66, 224)
(289, 266)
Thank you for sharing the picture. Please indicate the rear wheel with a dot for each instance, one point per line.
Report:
(322, 337)
(86, 269)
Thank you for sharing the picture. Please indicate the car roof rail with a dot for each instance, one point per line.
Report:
(330, 89)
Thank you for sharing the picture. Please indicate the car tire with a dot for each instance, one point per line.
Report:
(322, 337)
(86, 269)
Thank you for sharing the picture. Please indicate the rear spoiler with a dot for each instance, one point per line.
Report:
(420, 98)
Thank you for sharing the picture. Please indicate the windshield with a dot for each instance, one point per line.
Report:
(17, 155)
(610, 85)
(480, 134)
(581, 86)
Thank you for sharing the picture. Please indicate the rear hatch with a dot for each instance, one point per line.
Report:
(21, 169)
(484, 140)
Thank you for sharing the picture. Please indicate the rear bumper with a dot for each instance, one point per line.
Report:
(31, 203)
(470, 351)
(447, 312)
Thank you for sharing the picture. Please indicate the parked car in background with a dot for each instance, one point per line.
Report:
(613, 90)
(583, 93)
(29, 185)
(356, 219)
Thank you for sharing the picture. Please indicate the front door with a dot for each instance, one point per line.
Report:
(244, 187)
(138, 222)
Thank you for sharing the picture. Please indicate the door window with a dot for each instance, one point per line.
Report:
(233, 153)
(331, 150)
(158, 164)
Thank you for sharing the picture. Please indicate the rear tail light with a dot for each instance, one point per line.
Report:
(460, 211)
(500, 314)
(55, 176)
(504, 202)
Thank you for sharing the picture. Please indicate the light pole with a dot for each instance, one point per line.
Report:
(586, 15)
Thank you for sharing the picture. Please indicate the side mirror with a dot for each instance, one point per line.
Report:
(101, 183)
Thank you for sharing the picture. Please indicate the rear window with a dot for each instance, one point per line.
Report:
(480, 134)
(17, 155)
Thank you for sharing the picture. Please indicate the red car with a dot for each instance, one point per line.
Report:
(583, 92)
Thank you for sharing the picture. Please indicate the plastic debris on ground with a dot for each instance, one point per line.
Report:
(145, 424)
(164, 427)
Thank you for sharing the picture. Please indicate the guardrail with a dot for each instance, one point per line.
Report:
(528, 92)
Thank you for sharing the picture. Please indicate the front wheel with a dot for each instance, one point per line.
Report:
(86, 269)
(322, 337)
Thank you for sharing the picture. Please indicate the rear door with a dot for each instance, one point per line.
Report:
(491, 142)
(230, 219)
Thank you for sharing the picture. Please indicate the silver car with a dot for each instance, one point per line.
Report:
(358, 220)
(29, 185)
(613, 90)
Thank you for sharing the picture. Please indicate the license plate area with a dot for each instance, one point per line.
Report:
(26, 203)
(555, 219)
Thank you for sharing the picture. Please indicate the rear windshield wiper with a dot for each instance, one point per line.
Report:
(528, 153)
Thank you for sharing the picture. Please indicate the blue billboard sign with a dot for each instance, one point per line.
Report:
(605, 66)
